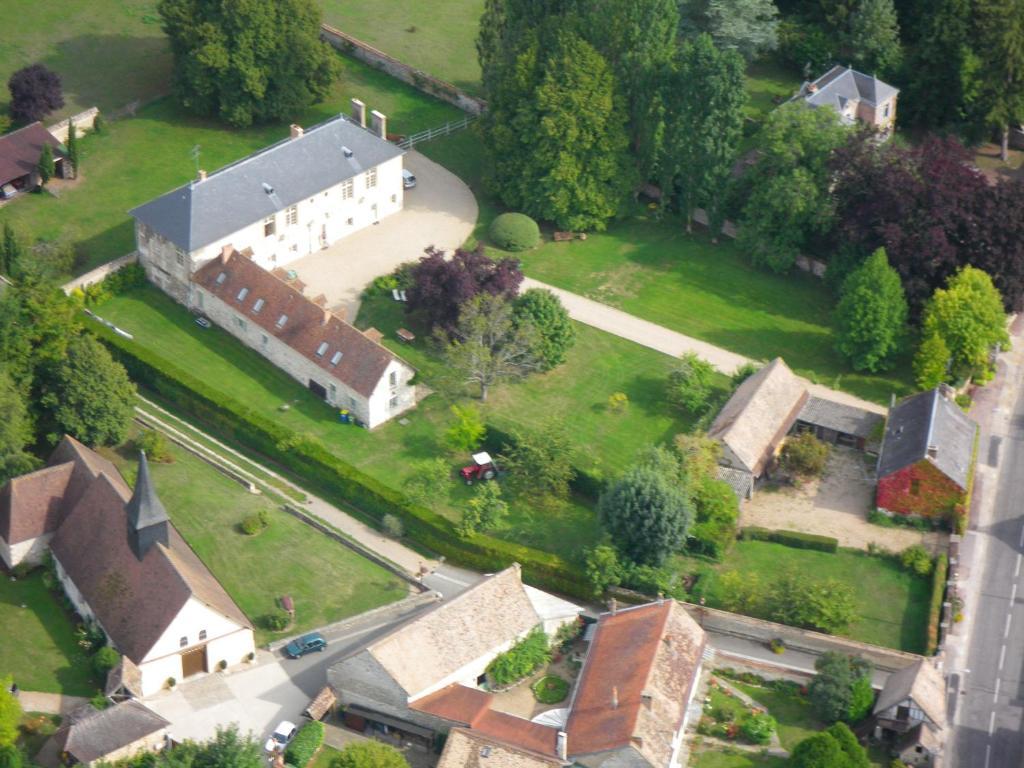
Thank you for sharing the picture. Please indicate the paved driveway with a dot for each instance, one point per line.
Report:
(439, 211)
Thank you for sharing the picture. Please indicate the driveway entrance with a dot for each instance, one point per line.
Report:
(440, 211)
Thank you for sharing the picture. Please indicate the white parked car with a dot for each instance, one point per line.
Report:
(281, 737)
(408, 180)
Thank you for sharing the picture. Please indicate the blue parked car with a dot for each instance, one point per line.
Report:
(314, 641)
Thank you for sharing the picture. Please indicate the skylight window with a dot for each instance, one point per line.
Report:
(335, 358)
(221, 278)
(282, 320)
(258, 306)
(322, 349)
(242, 294)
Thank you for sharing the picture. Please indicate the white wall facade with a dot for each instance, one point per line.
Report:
(29, 551)
(317, 222)
(386, 401)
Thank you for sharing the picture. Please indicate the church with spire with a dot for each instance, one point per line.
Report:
(125, 567)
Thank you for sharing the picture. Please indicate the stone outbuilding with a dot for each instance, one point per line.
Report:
(90, 737)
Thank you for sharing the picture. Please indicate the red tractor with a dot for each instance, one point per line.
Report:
(482, 468)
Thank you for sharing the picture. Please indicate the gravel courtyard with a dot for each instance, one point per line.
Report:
(835, 505)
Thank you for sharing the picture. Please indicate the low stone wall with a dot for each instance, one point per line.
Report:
(418, 79)
(83, 124)
(98, 274)
(814, 643)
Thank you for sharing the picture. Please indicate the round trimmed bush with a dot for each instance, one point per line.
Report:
(515, 232)
(550, 689)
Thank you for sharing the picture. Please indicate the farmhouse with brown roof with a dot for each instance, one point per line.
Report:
(271, 315)
(20, 152)
(124, 566)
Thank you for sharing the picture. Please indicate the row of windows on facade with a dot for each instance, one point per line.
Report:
(291, 216)
(184, 638)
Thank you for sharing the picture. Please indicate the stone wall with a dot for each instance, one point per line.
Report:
(418, 79)
(98, 274)
(815, 643)
(83, 124)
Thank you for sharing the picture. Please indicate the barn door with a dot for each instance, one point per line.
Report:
(193, 662)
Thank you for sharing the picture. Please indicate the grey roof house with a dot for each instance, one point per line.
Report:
(89, 736)
(854, 96)
(911, 712)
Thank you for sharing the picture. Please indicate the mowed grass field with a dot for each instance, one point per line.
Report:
(107, 52)
(437, 37)
(327, 580)
(892, 604)
(576, 394)
(143, 157)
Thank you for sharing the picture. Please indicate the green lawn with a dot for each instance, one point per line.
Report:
(327, 580)
(656, 271)
(107, 52)
(323, 758)
(37, 643)
(892, 604)
(437, 37)
(792, 713)
(143, 157)
(599, 365)
(769, 83)
(730, 757)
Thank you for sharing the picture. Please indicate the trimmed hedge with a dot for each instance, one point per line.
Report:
(939, 574)
(515, 232)
(795, 539)
(305, 744)
(330, 476)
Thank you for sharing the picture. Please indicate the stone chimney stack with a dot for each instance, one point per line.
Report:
(296, 132)
(225, 253)
(359, 112)
(202, 175)
(379, 124)
(563, 746)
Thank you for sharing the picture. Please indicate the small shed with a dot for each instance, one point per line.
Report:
(840, 424)
(90, 736)
(20, 152)
(322, 704)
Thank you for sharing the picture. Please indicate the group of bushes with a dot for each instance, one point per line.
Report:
(522, 659)
(255, 523)
(332, 477)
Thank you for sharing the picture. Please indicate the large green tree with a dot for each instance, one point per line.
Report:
(704, 100)
(647, 515)
(871, 314)
(88, 395)
(1001, 32)
(555, 332)
(16, 432)
(789, 200)
(555, 134)
(749, 27)
(248, 61)
(968, 316)
(10, 714)
(837, 691)
(874, 40)
(539, 461)
(835, 747)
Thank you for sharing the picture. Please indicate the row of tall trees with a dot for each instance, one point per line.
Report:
(585, 99)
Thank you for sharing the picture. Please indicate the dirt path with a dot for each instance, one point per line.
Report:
(836, 505)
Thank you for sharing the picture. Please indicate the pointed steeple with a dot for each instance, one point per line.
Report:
(148, 522)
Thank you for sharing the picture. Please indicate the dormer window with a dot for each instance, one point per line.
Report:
(322, 349)
(336, 358)
(221, 278)
(242, 294)
(258, 306)
(282, 320)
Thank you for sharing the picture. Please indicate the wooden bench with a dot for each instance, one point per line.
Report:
(407, 336)
(561, 237)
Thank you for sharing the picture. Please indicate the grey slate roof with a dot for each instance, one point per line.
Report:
(841, 85)
(92, 734)
(928, 419)
(738, 479)
(838, 416)
(234, 197)
(145, 508)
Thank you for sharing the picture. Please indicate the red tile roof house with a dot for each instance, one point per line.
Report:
(123, 565)
(630, 704)
(20, 151)
(926, 461)
(336, 361)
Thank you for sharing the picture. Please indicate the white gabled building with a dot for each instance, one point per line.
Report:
(281, 203)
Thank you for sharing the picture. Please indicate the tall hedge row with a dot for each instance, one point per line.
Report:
(331, 477)
(939, 575)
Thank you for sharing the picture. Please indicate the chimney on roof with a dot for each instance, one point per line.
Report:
(296, 131)
(812, 88)
(379, 124)
(613, 606)
(647, 699)
(359, 112)
(563, 746)
(225, 253)
(615, 697)
(327, 316)
(148, 522)
(202, 175)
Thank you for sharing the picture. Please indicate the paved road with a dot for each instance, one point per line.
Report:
(987, 693)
